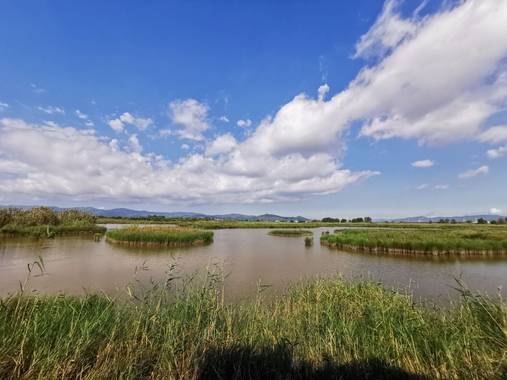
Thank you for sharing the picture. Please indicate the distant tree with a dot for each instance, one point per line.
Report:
(367, 219)
(453, 221)
(482, 221)
(343, 221)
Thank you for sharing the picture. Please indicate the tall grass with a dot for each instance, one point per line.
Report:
(159, 236)
(322, 329)
(291, 233)
(46, 222)
(437, 240)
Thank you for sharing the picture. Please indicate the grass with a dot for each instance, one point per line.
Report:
(49, 231)
(44, 222)
(459, 239)
(159, 236)
(321, 329)
(291, 233)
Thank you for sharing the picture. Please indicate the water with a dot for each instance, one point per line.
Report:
(249, 256)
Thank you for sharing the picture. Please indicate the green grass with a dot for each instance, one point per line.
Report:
(159, 236)
(459, 239)
(322, 329)
(48, 231)
(290, 233)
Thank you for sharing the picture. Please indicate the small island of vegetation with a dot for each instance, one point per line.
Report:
(44, 222)
(290, 233)
(453, 239)
(160, 236)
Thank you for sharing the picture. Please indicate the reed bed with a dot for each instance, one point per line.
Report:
(321, 329)
(290, 233)
(462, 240)
(159, 236)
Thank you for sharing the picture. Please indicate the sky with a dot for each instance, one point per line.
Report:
(313, 108)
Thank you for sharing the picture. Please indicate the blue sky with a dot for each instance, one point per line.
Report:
(319, 108)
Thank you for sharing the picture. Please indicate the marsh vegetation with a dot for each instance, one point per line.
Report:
(44, 222)
(458, 239)
(159, 236)
(321, 329)
(290, 233)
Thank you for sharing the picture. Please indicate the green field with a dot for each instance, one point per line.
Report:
(322, 329)
(453, 239)
(159, 236)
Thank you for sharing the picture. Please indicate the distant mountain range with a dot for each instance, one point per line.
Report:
(423, 219)
(129, 213)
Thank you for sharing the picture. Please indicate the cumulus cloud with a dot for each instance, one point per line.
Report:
(51, 110)
(244, 123)
(495, 211)
(423, 164)
(43, 160)
(3, 106)
(127, 118)
(494, 135)
(222, 144)
(483, 170)
(497, 152)
(192, 116)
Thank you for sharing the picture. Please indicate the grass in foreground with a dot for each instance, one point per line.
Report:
(291, 233)
(159, 236)
(467, 240)
(322, 329)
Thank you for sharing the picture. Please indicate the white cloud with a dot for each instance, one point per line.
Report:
(423, 164)
(116, 125)
(134, 144)
(495, 211)
(323, 90)
(192, 116)
(497, 152)
(3, 106)
(81, 115)
(388, 32)
(127, 118)
(185, 146)
(425, 186)
(36, 89)
(44, 160)
(494, 135)
(51, 110)
(224, 118)
(222, 144)
(483, 170)
(138, 122)
(244, 123)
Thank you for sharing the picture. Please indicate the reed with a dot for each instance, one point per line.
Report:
(462, 240)
(159, 236)
(291, 233)
(321, 329)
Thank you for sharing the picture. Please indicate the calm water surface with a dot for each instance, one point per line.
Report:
(249, 256)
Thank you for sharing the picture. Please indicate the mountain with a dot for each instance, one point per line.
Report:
(426, 219)
(129, 213)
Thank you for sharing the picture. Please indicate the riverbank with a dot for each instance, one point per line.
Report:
(321, 329)
(459, 240)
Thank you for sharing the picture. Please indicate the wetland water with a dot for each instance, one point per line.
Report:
(248, 256)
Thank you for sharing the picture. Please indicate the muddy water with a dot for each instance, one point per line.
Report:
(249, 257)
